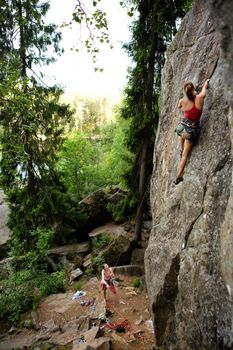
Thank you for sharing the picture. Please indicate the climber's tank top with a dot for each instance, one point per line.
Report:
(193, 114)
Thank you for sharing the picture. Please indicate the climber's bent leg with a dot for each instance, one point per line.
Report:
(187, 148)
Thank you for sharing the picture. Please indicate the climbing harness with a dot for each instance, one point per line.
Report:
(188, 129)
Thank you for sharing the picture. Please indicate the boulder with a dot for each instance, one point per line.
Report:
(87, 261)
(81, 324)
(34, 319)
(118, 252)
(71, 250)
(17, 342)
(137, 257)
(188, 248)
(4, 231)
(96, 207)
(4, 267)
(71, 253)
(91, 334)
(64, 338)
(50, 326)
(90, 340)
(101, 344)
(129, 270)
(118, 342)
(75, 274)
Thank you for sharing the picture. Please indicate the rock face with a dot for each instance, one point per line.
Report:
(223, 15)
(188, 277)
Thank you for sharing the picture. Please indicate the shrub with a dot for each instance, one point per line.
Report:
(52, 283)
(89, 272)
(23, 290)
(78, 286)
(98, 263)
(137, 283)
(102, 241)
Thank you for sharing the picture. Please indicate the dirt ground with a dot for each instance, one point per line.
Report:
(57, 312)
(130, 307)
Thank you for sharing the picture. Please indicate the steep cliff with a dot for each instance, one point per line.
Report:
(223, 15)
(185, 269)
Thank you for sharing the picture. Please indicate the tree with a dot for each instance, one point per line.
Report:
(33, 121)
(151, 35)
(92, 21)
(77, 159)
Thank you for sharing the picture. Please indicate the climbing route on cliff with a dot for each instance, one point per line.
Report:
(190, 284)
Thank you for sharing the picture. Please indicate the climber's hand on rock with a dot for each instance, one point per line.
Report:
(207, 83)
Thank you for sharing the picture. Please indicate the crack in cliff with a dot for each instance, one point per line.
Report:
(187, 233)
(164, 306)
(222, 162)
(192, 43)
(199, 38)
(189, 230)
(218, 168)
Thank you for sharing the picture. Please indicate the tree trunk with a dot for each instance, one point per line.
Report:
(32, 182)
(22, 48)
(143, 176)
(146, 148)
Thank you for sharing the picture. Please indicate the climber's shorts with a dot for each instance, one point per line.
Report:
(111, 286)
(188, 130)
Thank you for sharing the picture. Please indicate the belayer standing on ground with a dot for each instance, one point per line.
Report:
(107, 281)
(188, 130)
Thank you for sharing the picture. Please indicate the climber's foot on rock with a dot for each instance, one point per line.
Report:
(178, 180)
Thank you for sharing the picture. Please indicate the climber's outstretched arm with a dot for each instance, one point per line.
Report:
(204, 89)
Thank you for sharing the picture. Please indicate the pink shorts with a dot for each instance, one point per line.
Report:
(111, 286)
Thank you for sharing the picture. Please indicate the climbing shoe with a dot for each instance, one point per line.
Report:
(178, 180)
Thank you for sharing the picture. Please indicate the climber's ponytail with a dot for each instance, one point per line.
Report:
(189, 90)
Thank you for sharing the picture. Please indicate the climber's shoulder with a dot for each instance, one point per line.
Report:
(184, 103)
(180, 103)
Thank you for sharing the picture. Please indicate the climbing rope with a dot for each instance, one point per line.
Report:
(119, 326)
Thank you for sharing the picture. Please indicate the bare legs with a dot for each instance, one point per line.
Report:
(112, 289)
(105, 297)
(186, 148)
(181, 147)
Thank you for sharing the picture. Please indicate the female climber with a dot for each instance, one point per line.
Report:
(188, 130)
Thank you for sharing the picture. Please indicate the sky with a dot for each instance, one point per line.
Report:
(74, 71)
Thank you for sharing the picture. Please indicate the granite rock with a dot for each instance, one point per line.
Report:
(185, 262)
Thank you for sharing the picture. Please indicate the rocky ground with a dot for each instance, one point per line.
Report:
(63, 323)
